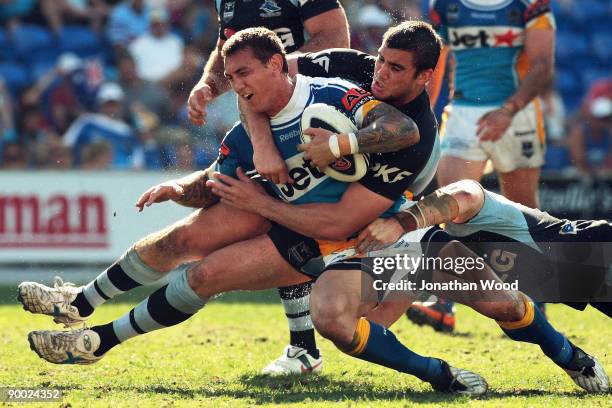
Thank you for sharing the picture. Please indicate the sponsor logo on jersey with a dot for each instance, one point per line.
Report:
(527, 149)
(485, 37)
(452, 12)
(224, 151)
(285, 36)
(284, 137)
(228, 11)
(322, 61)
(270, 9)
(355, 98)
(569, 228)
(389, 174)
(305, 177)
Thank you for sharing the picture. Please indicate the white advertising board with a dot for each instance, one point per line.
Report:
(77, 216)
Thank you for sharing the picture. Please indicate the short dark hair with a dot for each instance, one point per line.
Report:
(263, 43)
(420, 39)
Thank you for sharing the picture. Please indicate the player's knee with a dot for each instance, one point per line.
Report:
(506, 311)
(329, 320)
(203, 277)
(180, 240)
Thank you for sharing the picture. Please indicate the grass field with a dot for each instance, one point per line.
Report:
(213, 360)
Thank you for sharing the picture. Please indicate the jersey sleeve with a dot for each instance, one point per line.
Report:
(235, 151)
(312, 8)
(437, 17)
(352, 65)
(539, 15)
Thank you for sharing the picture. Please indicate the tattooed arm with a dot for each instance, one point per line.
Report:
(385, 129)
(189, 191)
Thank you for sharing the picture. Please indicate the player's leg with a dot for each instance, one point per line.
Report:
(521, 186)
(247, 265)
(147, 261)
(338, 302)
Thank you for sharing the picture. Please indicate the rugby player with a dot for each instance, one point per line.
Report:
(155, 255)
(503, 59)
(302, 26)
(256, 263)
(569, 256)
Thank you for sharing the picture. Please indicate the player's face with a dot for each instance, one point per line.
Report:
(254, 82)
(394, 77)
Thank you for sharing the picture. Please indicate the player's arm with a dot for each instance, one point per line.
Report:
(383, 129)
(539, 49)
(212, 84)
(328, 29)
(189, 191)
(328, 221)
(458, 203)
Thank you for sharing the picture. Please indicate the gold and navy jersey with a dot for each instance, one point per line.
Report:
(487, 39)
(284, 17)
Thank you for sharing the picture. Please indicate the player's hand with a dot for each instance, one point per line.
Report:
(270, 165)
(492, 125)
(242, 193)
(170, 190)
(199, 97)
(379, 234)
(318, 151)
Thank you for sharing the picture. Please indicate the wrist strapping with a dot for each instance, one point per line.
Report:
(334, 147)
(354, 144)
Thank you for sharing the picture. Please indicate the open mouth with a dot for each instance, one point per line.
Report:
(247, 96)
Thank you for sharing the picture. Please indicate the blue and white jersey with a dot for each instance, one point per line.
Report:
(487, 38)
(128, 151)
(310, 185)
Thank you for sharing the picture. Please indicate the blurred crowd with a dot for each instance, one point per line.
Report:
(103, 84)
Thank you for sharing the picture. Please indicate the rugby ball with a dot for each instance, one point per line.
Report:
(347, 168)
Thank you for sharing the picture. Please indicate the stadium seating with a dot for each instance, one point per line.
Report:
(15, 76)
(29, 39)
(80, 40)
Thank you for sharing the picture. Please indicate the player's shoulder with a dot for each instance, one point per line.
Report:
(236, 135)
(320, 83)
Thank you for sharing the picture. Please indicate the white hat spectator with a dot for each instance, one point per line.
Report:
(601, 107)
(159, 15)
(68, 62)
(110, 91)
(373, 16)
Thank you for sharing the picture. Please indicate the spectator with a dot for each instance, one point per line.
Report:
(14, 157)
(127, 21)
(142, 97)
(107, 125)
(590, 140)
(7, 124)
(58, 12)
(97, 155)
(372, 22)
(157, 52)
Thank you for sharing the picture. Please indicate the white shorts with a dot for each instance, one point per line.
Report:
(522, 146)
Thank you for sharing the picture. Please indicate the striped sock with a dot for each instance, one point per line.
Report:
(296, 301)
(534, 328)
(168, 306)
(376, 344)
(127, 273)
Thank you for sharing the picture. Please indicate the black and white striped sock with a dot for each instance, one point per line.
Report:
(127, 273)
(296, 301)
(168, 306)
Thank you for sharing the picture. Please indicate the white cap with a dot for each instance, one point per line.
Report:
(373, 16)
(601, 107)
(110, 91)
(68, 62)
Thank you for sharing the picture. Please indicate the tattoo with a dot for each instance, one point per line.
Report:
(439, 207)
(386, 129)
(197, 195)
(243, 120)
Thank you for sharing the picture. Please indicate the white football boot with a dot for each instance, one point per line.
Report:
(294, 361)
(55, 301)
(586, 371)
(65, 347)
(460, 381)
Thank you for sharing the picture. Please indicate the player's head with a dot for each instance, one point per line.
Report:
(256, 66)
(406, 61)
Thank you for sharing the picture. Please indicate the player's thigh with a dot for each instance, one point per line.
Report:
(253, 264)
(461, 154)
(521, 186)
(210, 229)
(389, 311)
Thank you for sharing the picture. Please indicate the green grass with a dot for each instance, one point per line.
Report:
(213, 360)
